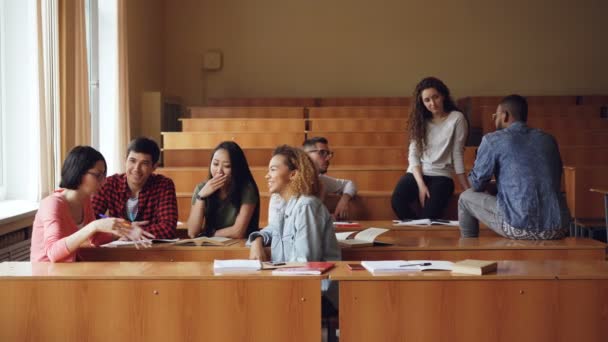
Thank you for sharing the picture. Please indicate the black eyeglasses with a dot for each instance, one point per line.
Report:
(323, 153)
(100, 176)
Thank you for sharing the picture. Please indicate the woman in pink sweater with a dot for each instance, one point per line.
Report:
(65, 219)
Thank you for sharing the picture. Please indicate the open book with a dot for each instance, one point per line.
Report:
(363, 238)
(309, 268)
(236, 265)
(397, 266)
(425, 222)
(204, 240)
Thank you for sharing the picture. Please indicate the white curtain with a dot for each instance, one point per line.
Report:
(48, 53)
(124, 115)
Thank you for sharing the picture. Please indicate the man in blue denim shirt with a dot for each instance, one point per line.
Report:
(528, 169)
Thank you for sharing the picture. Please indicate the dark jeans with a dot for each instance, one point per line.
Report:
(440, 188)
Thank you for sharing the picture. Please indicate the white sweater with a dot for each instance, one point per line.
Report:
(444, 152)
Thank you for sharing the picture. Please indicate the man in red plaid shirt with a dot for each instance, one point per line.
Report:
(146, 199)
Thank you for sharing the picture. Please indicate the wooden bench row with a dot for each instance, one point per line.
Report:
(546, 117)
(367, 205)
(397, 101)
(309, 102)
(366, 178)
(375, 125)
(298, 112)
(379, 156)
(373, 156)
(190, 140)
(194, 140)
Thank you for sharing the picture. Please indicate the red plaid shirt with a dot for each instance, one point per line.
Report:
(157, 203)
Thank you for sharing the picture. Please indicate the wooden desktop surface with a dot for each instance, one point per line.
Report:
(489, 248)
(158, 301)
(439, 231)
(523, 301)
(404, 247)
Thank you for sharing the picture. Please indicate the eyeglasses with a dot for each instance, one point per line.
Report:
(100, 176)
(324, 153)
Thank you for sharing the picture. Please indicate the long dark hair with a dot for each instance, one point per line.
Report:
(240, 179)
(420, 115)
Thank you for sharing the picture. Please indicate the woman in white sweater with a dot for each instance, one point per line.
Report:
(437, 133)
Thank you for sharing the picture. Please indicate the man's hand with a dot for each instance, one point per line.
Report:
(341, 212)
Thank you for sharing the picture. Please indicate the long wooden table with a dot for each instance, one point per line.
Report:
(490, 248)
(142, 301)
(164, 252)
(404, 247)
(524, 301)
(438, 231)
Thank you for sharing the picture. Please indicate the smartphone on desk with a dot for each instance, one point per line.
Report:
(355, 267)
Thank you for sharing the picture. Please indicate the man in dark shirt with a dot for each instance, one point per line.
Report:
(146, 199)
(528, 168)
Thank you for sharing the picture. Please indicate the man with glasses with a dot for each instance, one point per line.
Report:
(318, 150)
(527, 166)
(140, 196)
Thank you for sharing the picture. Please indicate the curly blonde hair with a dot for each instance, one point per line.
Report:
(306, 181)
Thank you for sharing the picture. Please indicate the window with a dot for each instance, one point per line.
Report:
(2, 144)
(102, 44)
(19, 100)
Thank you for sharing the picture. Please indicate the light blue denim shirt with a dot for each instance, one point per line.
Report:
(303, 231)
(528, 170)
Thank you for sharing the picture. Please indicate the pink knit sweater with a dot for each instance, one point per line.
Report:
(53, 223)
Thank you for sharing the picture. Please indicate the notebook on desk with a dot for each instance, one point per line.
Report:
(399, 266)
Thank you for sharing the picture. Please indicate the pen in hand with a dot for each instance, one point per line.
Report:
(420, 264)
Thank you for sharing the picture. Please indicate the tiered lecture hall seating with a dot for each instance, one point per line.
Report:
(370, 145)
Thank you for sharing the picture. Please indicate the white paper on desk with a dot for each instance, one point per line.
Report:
(118, 243)
(394, 266)
(236, 265)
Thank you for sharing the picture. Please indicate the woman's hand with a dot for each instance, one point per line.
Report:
(423, 194)
(257, 252)
(212, 186)
(113, 225)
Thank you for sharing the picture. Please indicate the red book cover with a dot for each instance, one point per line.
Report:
(310, 268)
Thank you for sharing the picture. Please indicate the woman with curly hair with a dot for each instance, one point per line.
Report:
(437, 131)
(303, 231)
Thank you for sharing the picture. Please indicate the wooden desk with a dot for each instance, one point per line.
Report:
(416, 231)
(523, 301)
(489, 248)
(163, 252)
(492, 248)
(154, 302)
